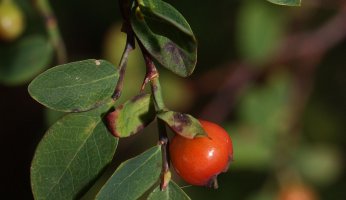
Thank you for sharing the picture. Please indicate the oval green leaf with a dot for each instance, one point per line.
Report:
(286, 2)
(165, 13)
(21, 61)
(167, 44)
(132, 116)
(72, 154)
(133, 177)
(172, 192)
(76, 86)
(182, 124)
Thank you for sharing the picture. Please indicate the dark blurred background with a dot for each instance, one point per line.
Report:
(273, 76)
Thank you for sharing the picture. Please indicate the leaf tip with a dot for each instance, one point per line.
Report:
(165, 179)
(201, 134)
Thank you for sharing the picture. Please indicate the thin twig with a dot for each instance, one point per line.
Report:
(307, 45)
(47, 13)
(130, 45)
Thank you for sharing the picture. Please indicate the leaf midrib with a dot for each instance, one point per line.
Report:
(81, 84)
(73, 158)
(122, 165)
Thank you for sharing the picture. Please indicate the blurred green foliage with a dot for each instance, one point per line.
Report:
(259, 28)
(27, 56)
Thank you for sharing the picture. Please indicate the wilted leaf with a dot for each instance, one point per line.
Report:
(172, 192)
(72, 155)
(76, 86)
(21, 61)
(182, 124)
(133, 177)
(132, 116)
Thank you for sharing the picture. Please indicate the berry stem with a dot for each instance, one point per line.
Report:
(152, 76)
(47, 13)
(213, 183)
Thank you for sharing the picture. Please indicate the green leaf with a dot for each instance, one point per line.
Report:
(133, 177)
(172, 192)
(21, 61)
(286, 2)
(168, 44)
(182, 124)
(132, 116)
(165, 13)
(259, 29)
(76, 86)
(72, 154)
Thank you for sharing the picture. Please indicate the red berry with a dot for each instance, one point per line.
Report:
(201, 159)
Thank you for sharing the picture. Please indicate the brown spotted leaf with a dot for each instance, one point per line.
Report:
(182, 124)
(166, 36)
(132, 116)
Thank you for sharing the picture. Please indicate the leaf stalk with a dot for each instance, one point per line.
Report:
(152, 76)
(130, 45)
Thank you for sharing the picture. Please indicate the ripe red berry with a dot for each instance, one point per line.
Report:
(201, 159)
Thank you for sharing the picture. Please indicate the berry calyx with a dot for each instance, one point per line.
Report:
(11, 21)
(198, 161)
